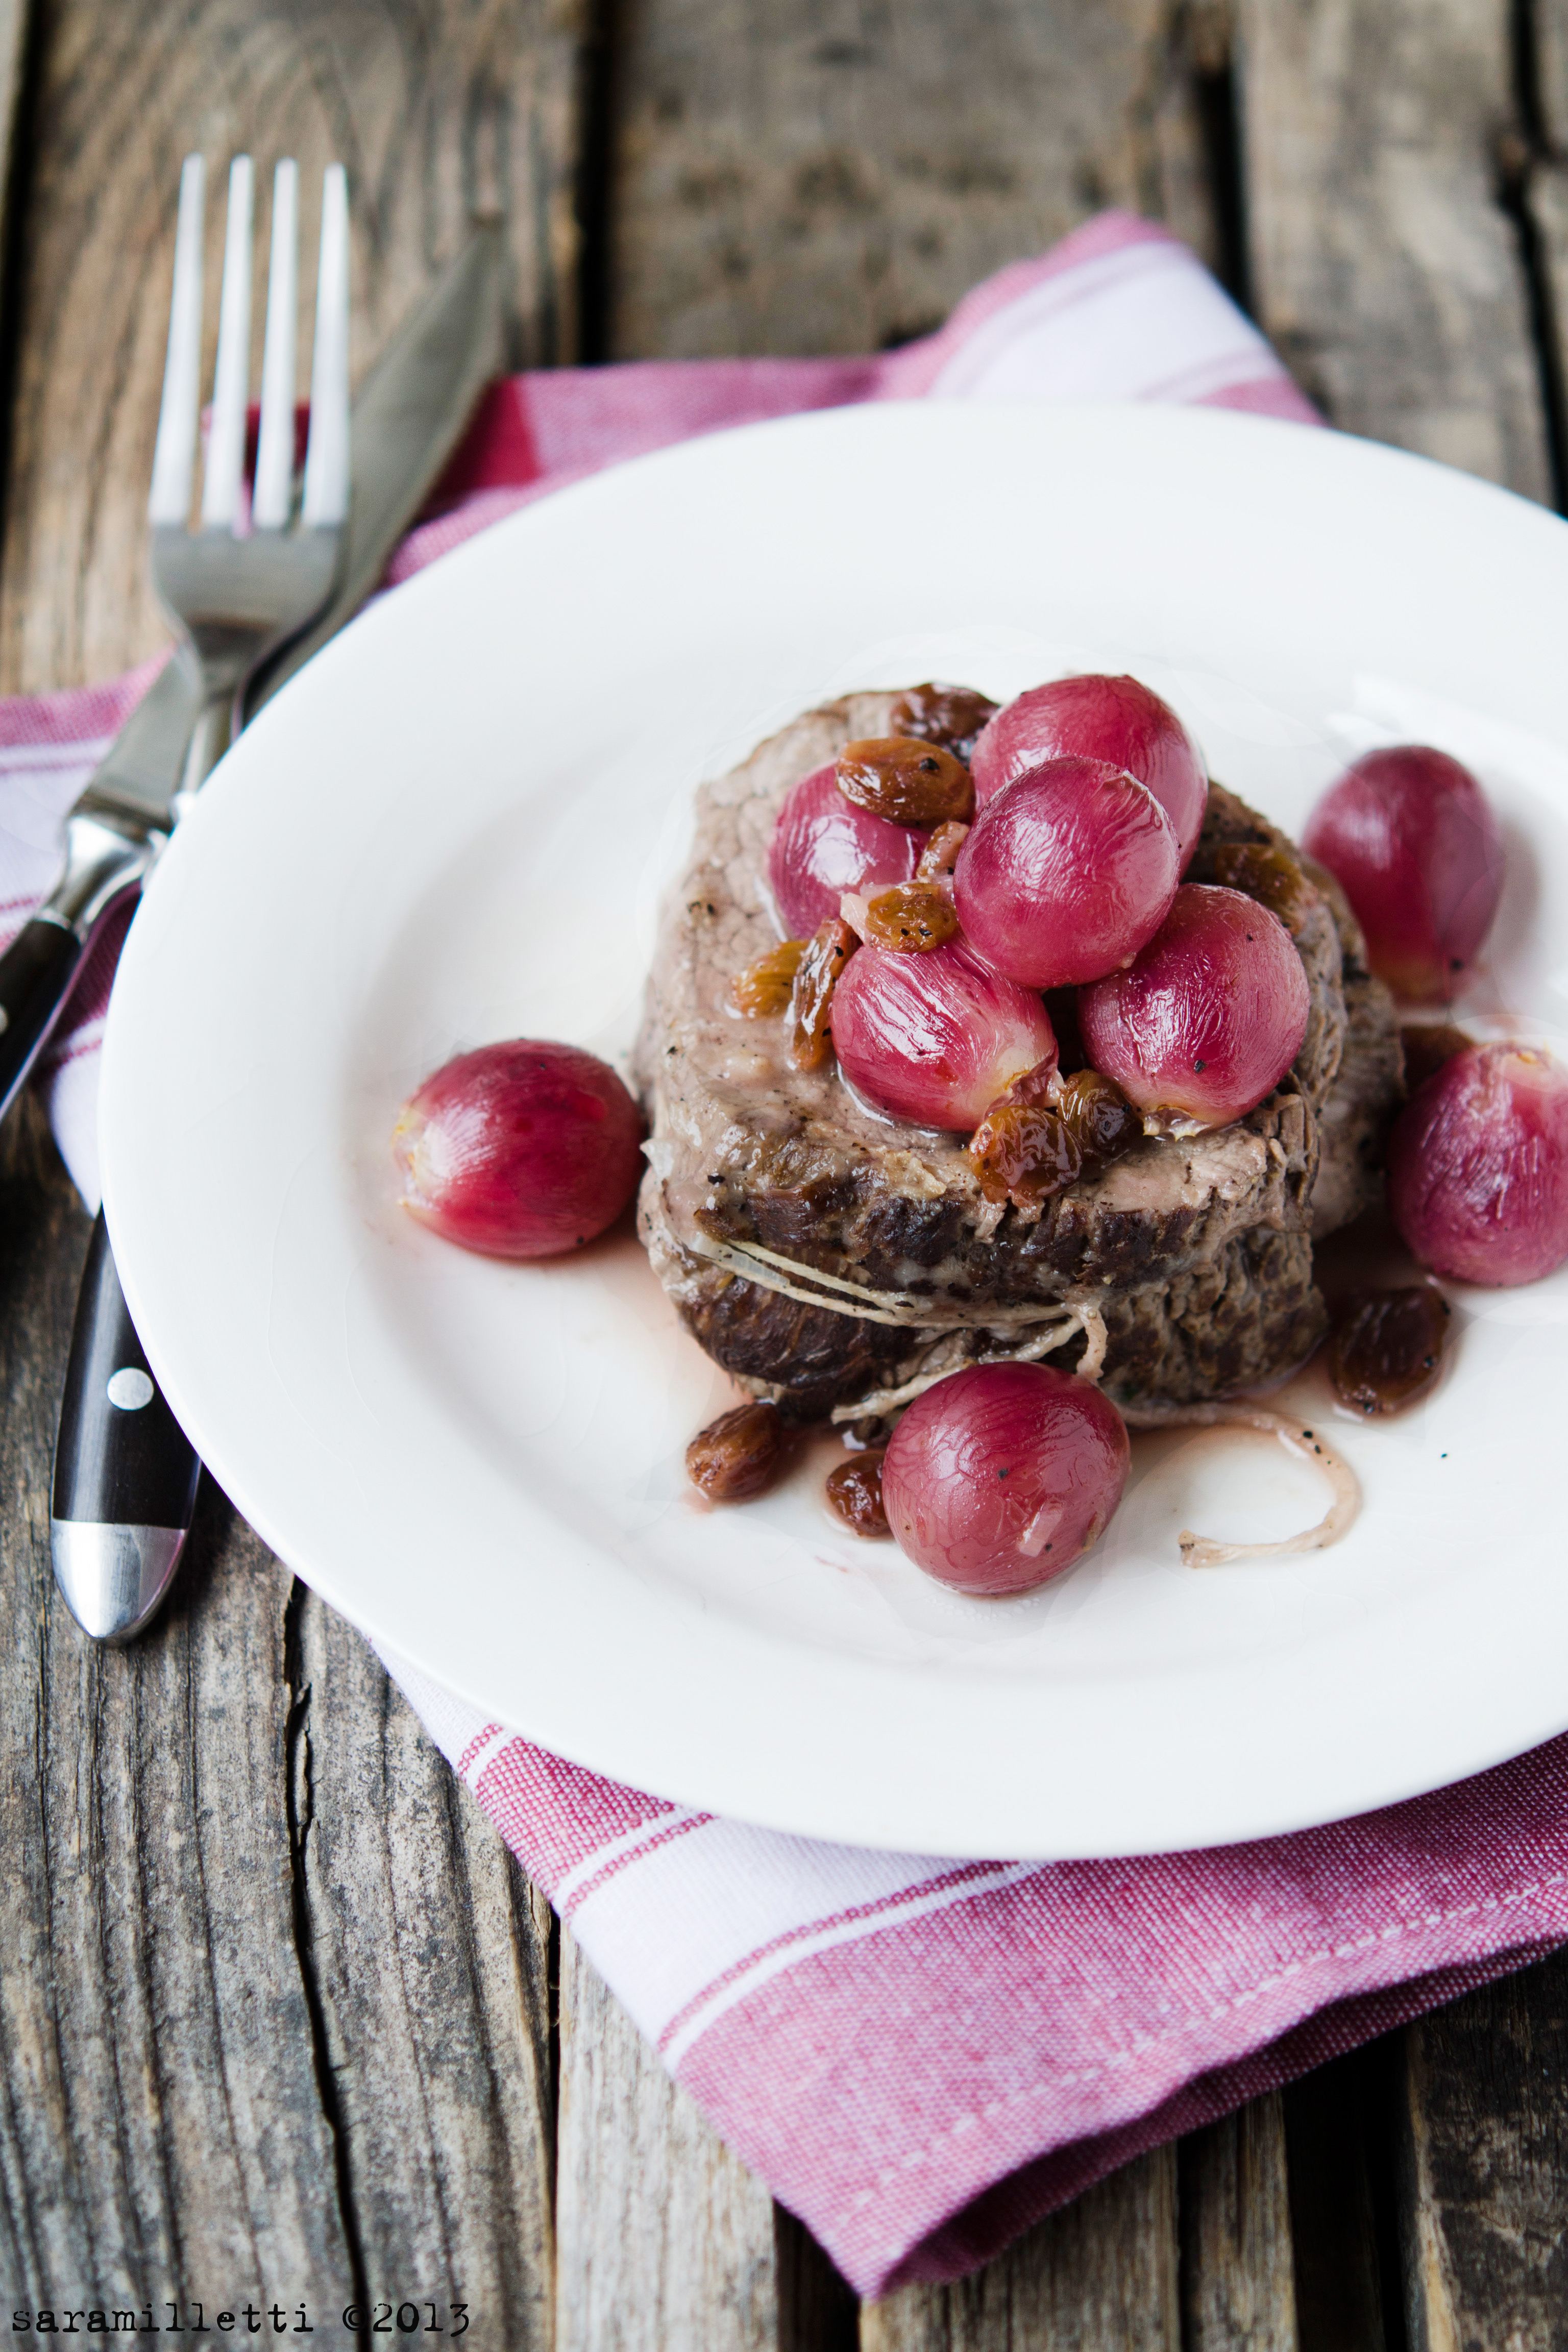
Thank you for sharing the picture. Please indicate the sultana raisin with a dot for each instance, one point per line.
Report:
(952, 716)
(1272, 877)
(910, 917)
(1042, 1136)
(855, 1495)
(736, 1456)
(764, 986)
(1387, 1346)
(939, 855)
(811, 999)
(906, 781)
(1427, 1045)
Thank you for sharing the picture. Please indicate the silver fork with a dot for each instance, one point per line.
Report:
(125, 1475)
(236, 596)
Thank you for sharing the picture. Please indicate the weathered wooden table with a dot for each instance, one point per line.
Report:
(279, 2021)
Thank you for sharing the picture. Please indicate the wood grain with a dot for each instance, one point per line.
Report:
(429, 1959)
(435, 107)
(1383, 266)
(160, 2123)
(1238, 2287)
(1484, 2215)
(831, 176)
(1100, 2277)
(665, 2241)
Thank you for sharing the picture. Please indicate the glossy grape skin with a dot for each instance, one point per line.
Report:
(935, 1038)
(1099, 718)
(1003, 1476)
(823, 846)
(1478, 1168)
(1210, 1016)
(1066, 873)
(1416, 845)
(521, 1149)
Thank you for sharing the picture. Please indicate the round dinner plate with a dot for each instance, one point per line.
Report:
(457, 824)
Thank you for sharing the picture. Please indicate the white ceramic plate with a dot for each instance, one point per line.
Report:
(455, 824)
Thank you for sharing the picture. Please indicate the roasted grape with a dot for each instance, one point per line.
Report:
(1004, 1475)
(1097, 718)
(822, 847)
(1210, 1016)
(1477, 1167)
(1417, 850)
(521, 1149)
(1067, 870)
(935, 1038)
(905, 779)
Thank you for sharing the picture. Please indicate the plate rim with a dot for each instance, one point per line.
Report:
(608, 1753)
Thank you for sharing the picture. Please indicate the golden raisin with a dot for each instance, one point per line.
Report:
(906, 781)
(811, 999)
(855, 1495)
(952, 716)
(1427, 1045)
(736, 1456)
(910, 917)
(1272, 877)
(764, 986)
(1387, 1346)
(1030, 1146)
(939, 855)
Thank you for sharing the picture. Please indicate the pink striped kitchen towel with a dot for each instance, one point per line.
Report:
(921, 2057)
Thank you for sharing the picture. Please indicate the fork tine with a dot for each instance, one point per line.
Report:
(326, 498)
(231, 379)
(174, 456)
(275, 453)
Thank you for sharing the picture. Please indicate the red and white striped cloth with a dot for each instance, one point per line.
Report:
(921, 2057)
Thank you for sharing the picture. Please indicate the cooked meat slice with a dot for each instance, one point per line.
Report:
(822, 1252)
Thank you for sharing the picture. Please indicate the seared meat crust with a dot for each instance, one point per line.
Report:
(1194, 1253)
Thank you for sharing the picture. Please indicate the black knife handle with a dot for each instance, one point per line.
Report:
(36, 972)
(125, 1471)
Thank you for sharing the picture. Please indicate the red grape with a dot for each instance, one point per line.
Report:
(935, 1038)
(1094, 718)
(521, 1149)
(1003, 1476)
(1415, 844)
(823, 846)
(1477, 1167)
(1066, 873)
(1209, 1018)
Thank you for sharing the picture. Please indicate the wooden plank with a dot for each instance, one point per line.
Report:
(823, 176)
(428, 1960)
(1484, 2212)
(161, 2127)
(1238, 2287)
(1383, 266)
(1338, 2141)
(665, 2241)
(1100, 2277)
(434, 105)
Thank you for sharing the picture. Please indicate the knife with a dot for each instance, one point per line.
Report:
(125, 1475)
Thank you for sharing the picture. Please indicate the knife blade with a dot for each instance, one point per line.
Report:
(125, 1475)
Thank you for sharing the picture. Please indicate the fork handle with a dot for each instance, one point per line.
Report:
(36, 974)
